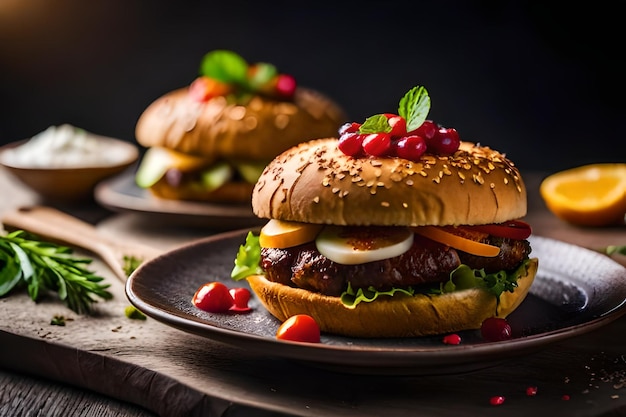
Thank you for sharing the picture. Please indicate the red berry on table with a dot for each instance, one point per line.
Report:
(495, 329)
(377, 144)
(497, 400)
(397, 124)
(299, 328)
(213, 297)
(351, 143)
(410, 147)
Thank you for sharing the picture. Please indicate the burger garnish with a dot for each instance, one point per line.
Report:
(374, 244)
(210, 140)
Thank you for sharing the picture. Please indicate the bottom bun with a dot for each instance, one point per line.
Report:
(404, 316)
(232, 192)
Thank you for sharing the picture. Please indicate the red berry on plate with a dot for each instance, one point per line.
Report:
(452, 339)
(213, 297)
(299, 328)
(410, 147)
(377, 144)
(495, 329)
(351, 143)
(241, 296)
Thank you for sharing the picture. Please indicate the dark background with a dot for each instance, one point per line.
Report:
(541, 82)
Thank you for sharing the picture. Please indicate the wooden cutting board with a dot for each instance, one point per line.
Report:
(174, 373)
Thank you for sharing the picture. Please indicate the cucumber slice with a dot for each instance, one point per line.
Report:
(217, 175)
(153, 166)
(250, 171)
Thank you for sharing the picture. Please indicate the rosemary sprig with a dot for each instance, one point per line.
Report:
(44, 267)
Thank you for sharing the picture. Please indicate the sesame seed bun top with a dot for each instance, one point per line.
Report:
(257, 129)
(314, 182)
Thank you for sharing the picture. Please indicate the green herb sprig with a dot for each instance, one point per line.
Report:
(614, 249)
(414, 107)
(44, 267)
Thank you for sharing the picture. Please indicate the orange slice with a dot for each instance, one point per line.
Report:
(589, 195)
(457, 242)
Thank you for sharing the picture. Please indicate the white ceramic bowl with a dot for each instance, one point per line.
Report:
(73, 182)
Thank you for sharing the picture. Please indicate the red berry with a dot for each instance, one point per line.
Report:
(531, 391)
(285, 86)
(452, 339)
(377, 144)
(213, 297)
(497, 400)
(410, 147)
(427, 130)
(445, 142)
(241, 296)
(565, 397)
(495, 329)
(351, 144)
(397, 123)
(350, 127)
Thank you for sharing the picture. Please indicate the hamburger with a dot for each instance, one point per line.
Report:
(374, 234)
(210, 140)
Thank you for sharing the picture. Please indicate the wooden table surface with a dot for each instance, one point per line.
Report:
(109, 365)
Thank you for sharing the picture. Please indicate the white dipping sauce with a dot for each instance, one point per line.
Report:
(64, 146)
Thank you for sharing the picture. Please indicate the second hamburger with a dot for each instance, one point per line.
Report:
(210, 141)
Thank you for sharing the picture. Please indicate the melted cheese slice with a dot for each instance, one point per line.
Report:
(156, 161)
(358, 245)
(284, 234)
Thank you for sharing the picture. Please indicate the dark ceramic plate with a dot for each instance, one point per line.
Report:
(576, 291)
(123, 195)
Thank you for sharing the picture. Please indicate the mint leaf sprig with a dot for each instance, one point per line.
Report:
(44, 267)
(413, 107)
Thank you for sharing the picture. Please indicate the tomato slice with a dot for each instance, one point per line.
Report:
(513, 229)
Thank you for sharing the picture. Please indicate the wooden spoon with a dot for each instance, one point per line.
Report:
(56, 226)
